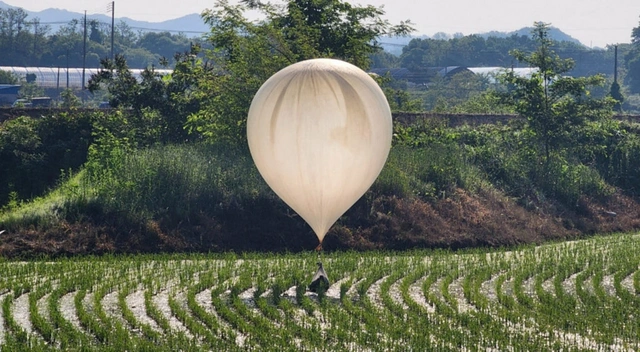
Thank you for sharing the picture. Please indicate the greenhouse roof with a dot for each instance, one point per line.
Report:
(518, 71)
(61, 77)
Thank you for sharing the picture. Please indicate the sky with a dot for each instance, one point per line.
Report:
(596, 23)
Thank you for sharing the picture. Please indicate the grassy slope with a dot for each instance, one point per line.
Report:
(201, 199)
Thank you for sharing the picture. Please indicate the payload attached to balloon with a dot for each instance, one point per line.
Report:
(319, 132)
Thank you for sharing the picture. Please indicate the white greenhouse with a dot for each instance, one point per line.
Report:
(61, 77)
(492, 72)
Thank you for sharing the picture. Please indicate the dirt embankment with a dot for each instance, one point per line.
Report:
(462, 220)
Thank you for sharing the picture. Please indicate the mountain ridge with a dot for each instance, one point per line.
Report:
(193, 25)
(394, 44)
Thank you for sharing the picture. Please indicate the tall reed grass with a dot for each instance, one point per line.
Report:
(175, 181)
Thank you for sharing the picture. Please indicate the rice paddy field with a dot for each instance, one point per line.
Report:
(572, 296)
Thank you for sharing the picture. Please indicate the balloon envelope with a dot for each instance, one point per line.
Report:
(319, 132)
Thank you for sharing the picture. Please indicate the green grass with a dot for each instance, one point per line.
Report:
(572, 296)
(172, 183)
(46, 210)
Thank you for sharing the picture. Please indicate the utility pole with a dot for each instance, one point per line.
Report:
(84, 50)
(67, 68)
(113, 12)
(615, 64)
(35, 36)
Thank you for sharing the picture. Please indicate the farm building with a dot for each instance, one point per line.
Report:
(8, 93)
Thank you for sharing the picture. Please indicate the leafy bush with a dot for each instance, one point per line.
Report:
(621, 166)
(567, 182)
(428, 172)
(613, 148)
(509, 159)
(34, 151)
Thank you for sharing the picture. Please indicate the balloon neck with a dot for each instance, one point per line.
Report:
(319, 248)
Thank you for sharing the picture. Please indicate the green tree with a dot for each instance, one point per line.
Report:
(420, 54)
(66, 45)
(397, 94)
(30, 90)
(633, 62)
(69, 99)
(119, 81)
(246, 53)
(164, 44)
(13, 33)
(401, 100)
(384, 59)
(7, 77)
(139, 58)
(616, 94)
(633, 71)
(125, 36)
(635, 35)
(95, 34)
(159, 105)
(553, 104)
(445, 93)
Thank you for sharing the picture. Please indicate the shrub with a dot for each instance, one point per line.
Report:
(34, 151)
(568, 182)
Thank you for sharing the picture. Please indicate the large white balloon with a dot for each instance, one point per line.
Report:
(319, 132)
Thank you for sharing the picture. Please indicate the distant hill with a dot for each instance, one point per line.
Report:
(554, 33)
(191, 25)
(394, 44)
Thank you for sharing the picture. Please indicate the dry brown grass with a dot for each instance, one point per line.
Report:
(485, 219)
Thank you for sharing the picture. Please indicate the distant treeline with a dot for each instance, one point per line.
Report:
(476, 51)
(29, 43)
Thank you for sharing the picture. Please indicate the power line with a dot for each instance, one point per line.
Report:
(39, 23)
(166, 30)
(132, 27)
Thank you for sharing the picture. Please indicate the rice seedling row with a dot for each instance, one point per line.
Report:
(572, 296)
